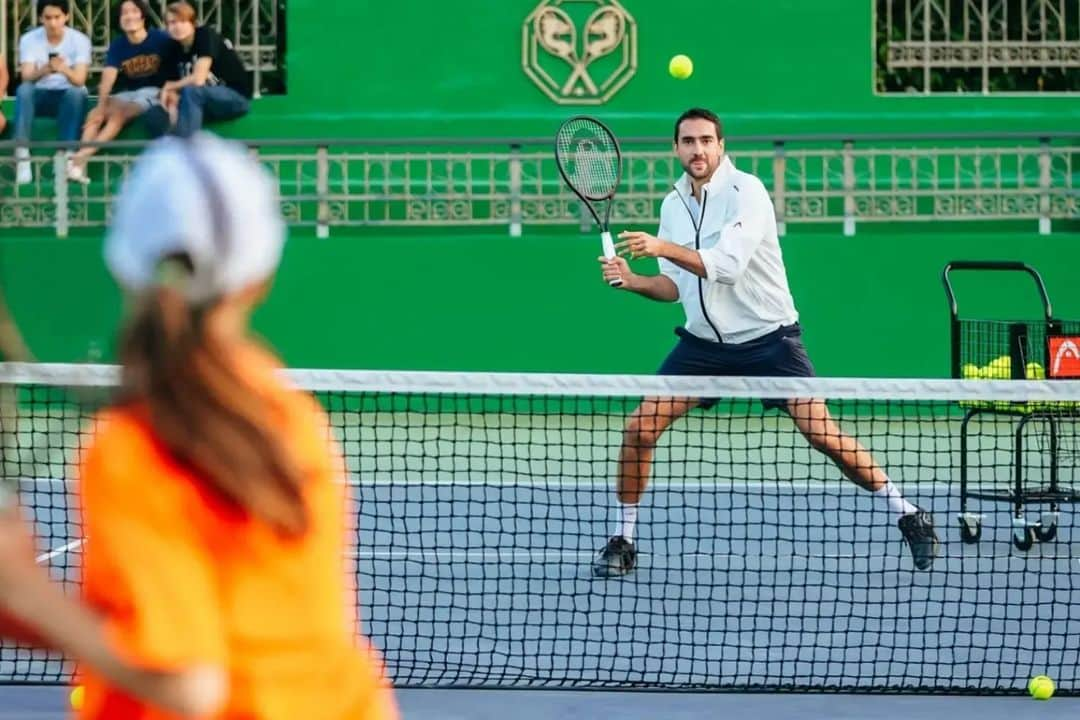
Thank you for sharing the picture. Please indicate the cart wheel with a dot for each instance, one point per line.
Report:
(1023, 538)
(1046, 534)
(970, 531)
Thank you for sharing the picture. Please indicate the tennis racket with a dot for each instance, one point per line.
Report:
(590, 163)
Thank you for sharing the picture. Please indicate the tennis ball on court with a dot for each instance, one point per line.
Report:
(77, 693)
(970, 371)
(1034, 371)
(1041, 687)
(681, 67)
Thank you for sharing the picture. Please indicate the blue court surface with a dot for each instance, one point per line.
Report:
(806, 587)
(25, 703)
(760, 568)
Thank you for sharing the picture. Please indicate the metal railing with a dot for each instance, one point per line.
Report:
(986, 46)
(252, 26)
(514, 183)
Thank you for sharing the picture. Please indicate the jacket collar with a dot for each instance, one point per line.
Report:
(719, 179)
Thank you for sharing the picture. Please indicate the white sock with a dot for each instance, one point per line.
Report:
(628, 514)
(22, 153)
(898, 506)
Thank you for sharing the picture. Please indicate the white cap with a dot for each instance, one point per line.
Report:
(203, 197)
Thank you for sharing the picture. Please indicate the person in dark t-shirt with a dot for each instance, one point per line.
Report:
(212, 82)
(130, 83)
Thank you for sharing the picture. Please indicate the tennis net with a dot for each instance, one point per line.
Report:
(483, 500)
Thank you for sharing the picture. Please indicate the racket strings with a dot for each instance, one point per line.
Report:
(590, 159)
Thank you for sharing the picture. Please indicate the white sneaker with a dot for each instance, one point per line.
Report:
(24, 173)
(77, 173)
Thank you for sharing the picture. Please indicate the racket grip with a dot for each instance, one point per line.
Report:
(609, 252)
(608, 243)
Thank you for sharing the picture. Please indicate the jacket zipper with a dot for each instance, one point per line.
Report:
(697, 223)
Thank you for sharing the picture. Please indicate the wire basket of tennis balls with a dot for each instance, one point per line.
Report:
(1000, 368)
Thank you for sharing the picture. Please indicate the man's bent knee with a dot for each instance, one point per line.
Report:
(641, 433)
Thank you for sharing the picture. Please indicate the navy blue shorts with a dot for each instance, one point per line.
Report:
(779, 354)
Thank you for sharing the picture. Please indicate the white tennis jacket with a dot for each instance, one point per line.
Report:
(745, 294)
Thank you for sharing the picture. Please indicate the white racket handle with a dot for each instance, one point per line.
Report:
(609, 244)
(609, 252)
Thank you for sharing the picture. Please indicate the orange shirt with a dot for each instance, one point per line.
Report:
(182, 578)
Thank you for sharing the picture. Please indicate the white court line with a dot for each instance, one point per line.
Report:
(489, 555)
(590, 483)
(385, 478)
(380, 479)
(69, 547)
(578, 556)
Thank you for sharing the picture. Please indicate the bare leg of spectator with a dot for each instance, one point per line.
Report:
(102, 128)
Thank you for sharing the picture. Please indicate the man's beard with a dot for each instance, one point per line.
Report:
(708, 170)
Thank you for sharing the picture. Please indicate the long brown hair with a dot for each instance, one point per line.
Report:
(208, 415)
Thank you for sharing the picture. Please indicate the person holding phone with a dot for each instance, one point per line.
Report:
(54, 61)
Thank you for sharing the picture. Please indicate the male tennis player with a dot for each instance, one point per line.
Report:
(719, 256)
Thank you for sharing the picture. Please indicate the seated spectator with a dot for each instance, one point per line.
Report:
(134, 64)
(53, 63)
(213, 83)
(3, 91)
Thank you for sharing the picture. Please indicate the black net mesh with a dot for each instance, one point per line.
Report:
(483, 502)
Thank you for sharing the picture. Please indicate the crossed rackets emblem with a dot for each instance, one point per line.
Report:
(550, 32)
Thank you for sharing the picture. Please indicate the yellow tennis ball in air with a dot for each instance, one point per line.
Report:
(1041, 687)
(1035, 371)
(681, 67)
(77, 693)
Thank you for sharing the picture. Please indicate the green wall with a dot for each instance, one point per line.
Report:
(780, 66)
(872, 305)
(431, 68)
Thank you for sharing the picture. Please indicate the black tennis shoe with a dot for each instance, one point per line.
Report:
(616, 559)
(918, 530)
